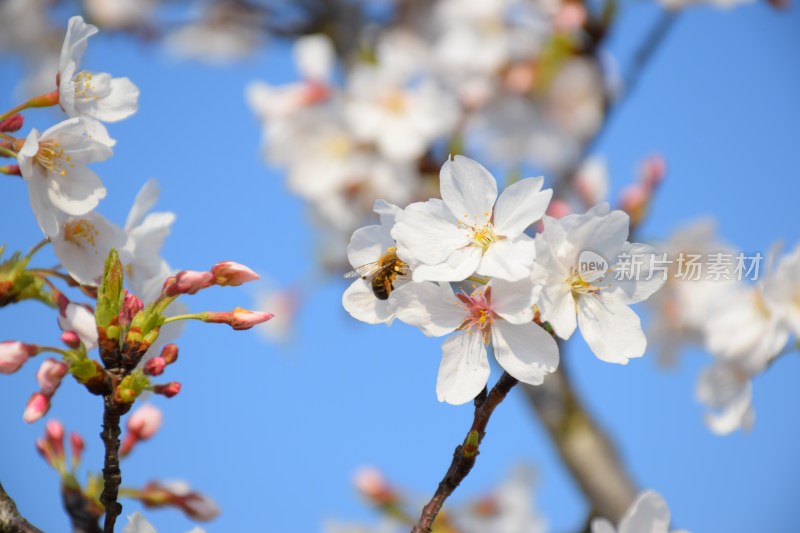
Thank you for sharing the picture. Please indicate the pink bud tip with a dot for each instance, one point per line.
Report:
(371, 483)
(13, 355)
(12, 123)
(233, 274)
(71, 339)
(168, 389)
(50, 374)
(54, 432)
(77, 446)
(38, 405)
(11, 170)
(169, 353)
(653, 171)
(239, 318)
(146, 420)
(155, 366)
(558, 209)
(130, 306)
(189, 282)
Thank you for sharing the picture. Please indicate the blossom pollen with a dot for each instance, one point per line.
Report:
(581, 286)
(83, 85)
(81, 233)
(482, 236)
(481, 316)
(51, 156)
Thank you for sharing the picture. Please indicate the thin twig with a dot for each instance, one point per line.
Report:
(465, 453)
(10, 519)
(112, 475)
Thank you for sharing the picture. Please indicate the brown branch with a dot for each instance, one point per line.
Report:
(10, 519)
(584, 447)
(83, 512)
(466, 453)
(112, 475)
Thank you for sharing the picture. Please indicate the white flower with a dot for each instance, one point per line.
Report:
(782, 290)
(366, 247)
(500, 312)
(648, 514)
(79, 319)
(94, 96)
(598, 298)
(146, 270)
(54, 166)
(84, 242)
(466, 231)
(727, 391)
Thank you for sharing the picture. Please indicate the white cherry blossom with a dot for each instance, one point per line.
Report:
(84, 242)
(79, 319)
(367, 245)
(137, 523)
(596, 303)
(647, 514)
(782, 291)
(93, 96)
(726, 389)
(471, 229)
(54, 166)
(500, 312)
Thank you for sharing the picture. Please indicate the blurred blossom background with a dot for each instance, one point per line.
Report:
(271, 151)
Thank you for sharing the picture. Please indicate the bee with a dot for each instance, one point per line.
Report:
(382, 273)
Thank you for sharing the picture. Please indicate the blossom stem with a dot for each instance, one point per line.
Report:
(38, 247)
(465, 453)
(43, 100)
(10, 519)
(5, 152)
(175, 318)
(8, 137)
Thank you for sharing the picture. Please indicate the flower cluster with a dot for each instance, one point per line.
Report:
(509, 286)
(745, 327)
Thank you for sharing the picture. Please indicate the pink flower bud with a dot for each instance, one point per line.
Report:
(169, 353)
(45, 449)
(558, 208)
(71, 339)
(77, 447)
(38, 405)
(130, 306)
(50, 374)
(178, 494)
(238, 319)
(233, 274)
(168, 389)
(155, 366)
(653, 171)
(12, 123)
(11, 170)
(54, 433)
(570, 17)
(13, 355)
(199, 507)
(141, 425)
(188, 282)
(372, 485)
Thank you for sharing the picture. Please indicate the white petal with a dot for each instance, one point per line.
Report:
(387, 212)
(525, 351)
(464, 370)
(315, 57)
(121, 102)
(508, 260)
(146, 198)
(648, 514)
(558, 308)
(635, 288)
(520, 205)
(75, 41)
(361, 303)
(431, 307)
(468, 190)
(80, 320)
(138, 523)
(611, 329)
(367, 245)
(428, 232)
(460, 265)
(48, 217)
(76, 193)
(604, 235)
(602, 525)
(513, 301)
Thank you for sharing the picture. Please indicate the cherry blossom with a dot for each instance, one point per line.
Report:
(500, 312)
(471, 229)
(648, 514)
(83, 243)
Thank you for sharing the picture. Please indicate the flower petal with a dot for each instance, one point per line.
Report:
(145, 200)
(431, 307)
(558, 308)
(460, 265)
(611, 329)
(520, 205)
(361, 303)
(464, 370)
(509, 260)
(513, 300)
(428, 231)
(76, 193)
(468, 190)
(602, 525)
(633, 285)
(367, 245)
(525, 351)
(648, 514)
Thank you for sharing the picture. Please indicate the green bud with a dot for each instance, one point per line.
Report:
(470, 447)
(110, 295)
(132, 386)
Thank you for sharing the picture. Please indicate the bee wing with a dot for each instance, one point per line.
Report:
(364, 271)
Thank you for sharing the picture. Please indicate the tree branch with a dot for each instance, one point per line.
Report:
(466, 453)
(10, 519)
(112, 475)
(584, 447)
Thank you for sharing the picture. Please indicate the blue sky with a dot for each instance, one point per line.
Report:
(274, 434)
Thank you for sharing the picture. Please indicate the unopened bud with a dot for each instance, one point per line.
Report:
(11, 170)
(372, 485)
(12, 123)
(155, 366)
(168, 389)
(54, 432)
(131, 305)
(50, 374)
(76, 441)
(558, 209)
(238, 319)
(178, 494)
(653, 171)
(188, 282)
(141, 425)
(38, 405)
(13, 355)
(633, 200)
(169, 353)
(233, 274)
(71, 339)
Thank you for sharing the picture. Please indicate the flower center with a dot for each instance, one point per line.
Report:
(83, 86)
(480, 315)
(581, 286)
(482, 236)
(51, 156)
(339, 146)
(395, 102)
(81, 233)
